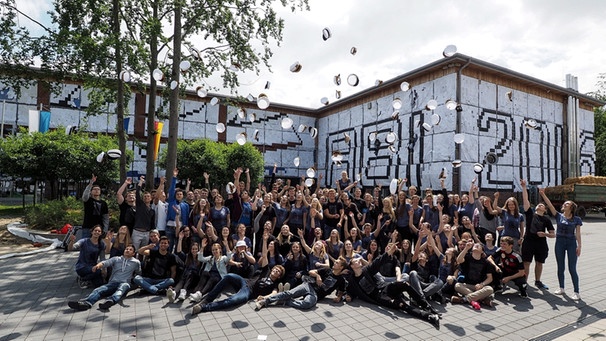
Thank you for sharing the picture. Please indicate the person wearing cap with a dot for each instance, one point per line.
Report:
(363, 283)
(123, 268)
(242, 261)
(175, 199)
(535, 241)
(509, 266)
(260, 285)
(96, 211)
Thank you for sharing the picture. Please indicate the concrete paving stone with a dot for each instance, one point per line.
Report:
(42, 302)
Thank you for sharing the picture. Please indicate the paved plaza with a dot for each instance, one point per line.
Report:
(34, 291)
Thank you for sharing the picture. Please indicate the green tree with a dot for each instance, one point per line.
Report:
(54, 156)
(218, 37)
(219, 160)
(600, 128)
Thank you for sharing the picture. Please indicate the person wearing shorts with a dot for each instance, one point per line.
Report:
(539, 228)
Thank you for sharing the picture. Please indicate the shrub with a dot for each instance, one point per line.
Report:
(54, 214)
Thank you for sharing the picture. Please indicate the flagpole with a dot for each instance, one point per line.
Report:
(3, 110)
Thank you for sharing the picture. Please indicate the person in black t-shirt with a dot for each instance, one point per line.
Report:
(160, 269)
(476, 271)
(539, 228)
(319, 284)
(261, 285)
(333, 213)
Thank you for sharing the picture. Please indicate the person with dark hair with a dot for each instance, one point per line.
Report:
(176, 206)
(160, 268)
(126, 205)
(568, 241)
(261, 285)
(214, 267)
(96, 211)
(319, 284)
(145, 216)
(509, 266)
(91, 250)
(475, 270)
(539, 228)
(362, 282)
(123, 267)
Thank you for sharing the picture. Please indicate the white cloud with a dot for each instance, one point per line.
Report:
(543, 39)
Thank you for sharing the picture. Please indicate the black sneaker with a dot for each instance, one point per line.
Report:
(523, 293)
(79, 305)
(434, 320)
(106, 305)
(540, 285)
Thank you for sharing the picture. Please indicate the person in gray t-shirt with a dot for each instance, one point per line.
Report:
(123, 269)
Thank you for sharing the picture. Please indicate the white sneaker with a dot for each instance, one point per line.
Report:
(280, 287)
(170, 294)
(182, 295)
(195, 297)
(560, 291)
(286, 287)
(576, 296)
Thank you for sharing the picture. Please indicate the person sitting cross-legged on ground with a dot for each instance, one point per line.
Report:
(123, 268)
(260, 285)
(509, 266)
(477, 277)
(160, 269)
(319, 284)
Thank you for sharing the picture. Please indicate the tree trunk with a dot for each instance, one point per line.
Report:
(151, 108)
(120, 90)
(173, 121)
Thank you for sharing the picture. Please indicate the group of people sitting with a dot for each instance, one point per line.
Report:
(298, 245)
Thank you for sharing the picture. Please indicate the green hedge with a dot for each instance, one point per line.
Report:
(56, 213)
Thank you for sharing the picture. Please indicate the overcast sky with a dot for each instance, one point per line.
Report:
(540, 38)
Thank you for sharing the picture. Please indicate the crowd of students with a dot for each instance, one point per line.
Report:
(295, 244)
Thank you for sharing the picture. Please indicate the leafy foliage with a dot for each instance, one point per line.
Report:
(219, 160)
(55, 213)
(54, 155)
(600, 128)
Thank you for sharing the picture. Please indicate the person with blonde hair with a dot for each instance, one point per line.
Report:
(513, 221)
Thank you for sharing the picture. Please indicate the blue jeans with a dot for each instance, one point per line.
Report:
(563, 246)
(86, 274)
(153, 285)
(115, 289)
(305, 290)
(240, 297)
